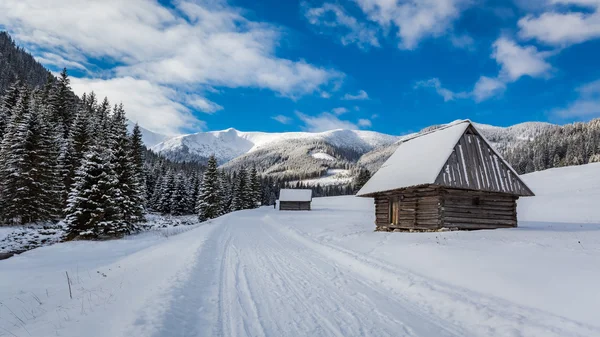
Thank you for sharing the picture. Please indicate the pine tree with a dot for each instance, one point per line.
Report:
(240, 198)
(61, 103)
(125, 193)
(9, 100)
(20, 185)
(209, 199)
(139, 175)
(91, 211)
(76, 146)
(361, 179)
(179, 197)
(226, 193)
(165, 193)
(255, 189)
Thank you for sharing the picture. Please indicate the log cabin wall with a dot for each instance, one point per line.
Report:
(294, 205)
(467, 209)
(412, 208)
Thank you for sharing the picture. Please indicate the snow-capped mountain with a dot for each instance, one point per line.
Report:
(149, 138)
(229, 144)
(306, 156)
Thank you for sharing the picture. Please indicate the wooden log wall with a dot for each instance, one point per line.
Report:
(466, 209)
(294, 206)
(417, 208)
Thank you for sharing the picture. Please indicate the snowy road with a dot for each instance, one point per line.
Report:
(320, 273)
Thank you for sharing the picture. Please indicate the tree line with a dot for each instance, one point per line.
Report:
(67, 157)
(567, 145)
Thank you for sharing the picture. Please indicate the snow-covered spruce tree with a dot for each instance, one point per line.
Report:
(226, 193)
(62, 104)
(9, 100)
(165, 193)
(209, 198)
(361, 179)
(127, 196)
(76, 146)
(255, 189)
(139, 175)
(240, 197)
(27, 166)
(91, 212)
(193, 188)
(179, 198)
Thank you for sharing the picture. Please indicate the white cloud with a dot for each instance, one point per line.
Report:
(487, 87)
(339, 111)
(587, 105)
(282, 119)
(203, 104)
(187, 48)
(462, 41)
(333, 19)
(517, 61)
(435, 83)
(360, 96)
(324, 122)
(159, 108)
(364, 123)
(561, 28)
(415, 19)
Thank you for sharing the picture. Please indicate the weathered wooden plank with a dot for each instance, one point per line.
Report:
(470, 226)
(448, 219)
(479, 170)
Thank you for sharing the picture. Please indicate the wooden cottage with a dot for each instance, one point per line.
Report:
(295, 200)
(449, 177)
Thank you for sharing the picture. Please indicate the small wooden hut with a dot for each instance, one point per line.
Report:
(446, 178)
(295, 199)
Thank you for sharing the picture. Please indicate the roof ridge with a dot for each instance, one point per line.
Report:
(443, 127)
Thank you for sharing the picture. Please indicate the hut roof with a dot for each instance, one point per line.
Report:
(419, 160)
(295, 195)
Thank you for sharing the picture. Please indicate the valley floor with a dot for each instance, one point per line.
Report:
(321, 273)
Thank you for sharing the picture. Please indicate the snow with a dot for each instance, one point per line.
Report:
(418, 160)
(295, 195)
(149, 138)
(231, 143)
(322, 155)
(331, 177)
(324, 273)
(565, 194)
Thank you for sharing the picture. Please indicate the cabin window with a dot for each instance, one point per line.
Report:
(476, 201)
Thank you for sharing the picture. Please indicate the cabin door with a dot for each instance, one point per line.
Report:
(394, 210)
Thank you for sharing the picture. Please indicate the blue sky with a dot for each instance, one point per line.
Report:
(393, 66)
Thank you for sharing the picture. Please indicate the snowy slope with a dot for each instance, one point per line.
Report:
(325, 272)
(331, 177)
(565, 194)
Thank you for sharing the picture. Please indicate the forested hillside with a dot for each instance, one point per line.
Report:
(16, 64)
(70, 158)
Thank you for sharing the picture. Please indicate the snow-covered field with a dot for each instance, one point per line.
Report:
(331, 177)
(324, 273)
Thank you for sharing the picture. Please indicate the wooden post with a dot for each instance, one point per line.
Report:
(69, 282)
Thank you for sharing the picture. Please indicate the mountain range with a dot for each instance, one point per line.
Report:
(306, 156)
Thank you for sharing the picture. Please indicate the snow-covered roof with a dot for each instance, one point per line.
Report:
(295, 195)
(418, 160)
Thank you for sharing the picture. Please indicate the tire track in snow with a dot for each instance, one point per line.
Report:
(303, 294)
(495, 317)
